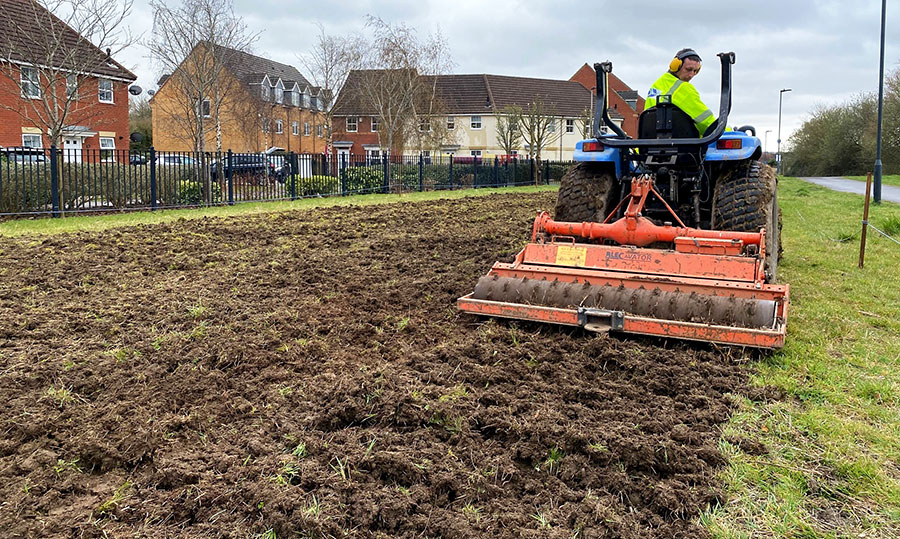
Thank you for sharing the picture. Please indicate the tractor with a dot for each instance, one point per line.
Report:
(675, 234)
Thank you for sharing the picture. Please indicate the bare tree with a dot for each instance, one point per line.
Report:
(193, 43)
(398, 82)
(50, 49)
(538, 125)
(328, 63)
(140, 120)
(509, 134)
(585, 121)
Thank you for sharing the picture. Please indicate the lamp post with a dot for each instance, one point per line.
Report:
(766, 144)
(876, 192)
(778, 154)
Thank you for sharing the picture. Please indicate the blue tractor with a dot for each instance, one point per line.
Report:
(714, 181)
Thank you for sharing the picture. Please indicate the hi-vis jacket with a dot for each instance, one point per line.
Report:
(684, 96)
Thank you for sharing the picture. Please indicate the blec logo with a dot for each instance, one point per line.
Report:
(637, 257)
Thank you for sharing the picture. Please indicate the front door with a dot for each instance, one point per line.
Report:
(343, 157)
(72, 149)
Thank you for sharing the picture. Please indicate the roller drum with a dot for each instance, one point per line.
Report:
(647, 301)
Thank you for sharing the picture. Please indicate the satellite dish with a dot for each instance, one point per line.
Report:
(151, 92)
(134, 89)
(136, 137)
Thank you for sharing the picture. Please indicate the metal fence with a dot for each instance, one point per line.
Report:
(35, 181)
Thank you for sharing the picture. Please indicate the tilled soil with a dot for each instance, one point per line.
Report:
(308, 374)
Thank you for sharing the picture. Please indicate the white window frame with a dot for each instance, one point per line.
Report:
(266, 125)
(295, 98)
(475, 153)
(451, 123)
(305, 100)
(551, 125)
(279, 127)
(29, 82)
(374, 124)
(355, 121)
(320, 102)
(320, 131)
(295, 128)
(475, 124)
(265, 90)
(570, 126)
(101, 92)
(306, 129)
(205, 108)
(107, 153)
(32, 137)
(279, 93)
(72, 86)
(424, 125)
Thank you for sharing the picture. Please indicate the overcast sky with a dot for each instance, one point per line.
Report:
(827, 51)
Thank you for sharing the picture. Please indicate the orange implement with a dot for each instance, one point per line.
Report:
(710, 286)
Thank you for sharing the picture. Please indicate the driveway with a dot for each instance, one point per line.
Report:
(889, 193)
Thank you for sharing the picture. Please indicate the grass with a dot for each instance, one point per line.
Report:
(834, 439)
(48, 226)
(886, 179)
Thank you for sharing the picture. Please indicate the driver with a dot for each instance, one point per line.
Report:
(676, 83)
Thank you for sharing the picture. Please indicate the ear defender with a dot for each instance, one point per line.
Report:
(675, 64)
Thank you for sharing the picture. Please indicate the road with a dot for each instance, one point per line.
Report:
(889, 193)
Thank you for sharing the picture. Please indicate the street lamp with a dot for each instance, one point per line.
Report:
(766, 145)
(778, 155)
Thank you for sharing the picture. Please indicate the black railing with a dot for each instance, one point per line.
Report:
(35, 181)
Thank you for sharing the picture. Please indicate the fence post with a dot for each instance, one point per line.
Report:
(531, 175)
(293, 167)
(475, 172)
(421, 173)
(546, 172)
(515, 176)
(450, 179)
(154, 195)
(865, 223)
(54, 180)
(229, 177)
(343, 166)
(496, 171)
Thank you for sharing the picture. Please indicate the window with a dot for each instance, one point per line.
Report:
(306, 130)
(451, 122)
(30, 86)
(32, 141)
(279, 126)
(305, 100)
(351, 124)
(551, 125)
(265, 125)
(475, 122)
(71, 86)
(426, 157)
(295, 128)
(374, 124)
(204, 108)
(570, 126)
(476, 153)
(295, 98)
(312, 103)
(105, 90)
(279, 93)
(107, 149)
(264, 91)
(319, 131)
(424, 125)
(321, 102)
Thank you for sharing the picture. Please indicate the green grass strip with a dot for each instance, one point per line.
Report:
(833, 462)
(87, 222)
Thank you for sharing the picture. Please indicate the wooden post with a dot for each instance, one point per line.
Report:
(865, 222)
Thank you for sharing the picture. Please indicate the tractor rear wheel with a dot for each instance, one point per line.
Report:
(746, 199)
(586, 193)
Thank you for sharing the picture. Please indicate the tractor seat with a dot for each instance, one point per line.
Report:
(666, 121)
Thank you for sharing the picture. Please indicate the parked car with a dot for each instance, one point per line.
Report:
(137, 159)
(25, 155)
(175, 159)
(253, 168)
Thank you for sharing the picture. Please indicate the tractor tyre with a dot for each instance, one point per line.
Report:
(746, 199)
(586, 193)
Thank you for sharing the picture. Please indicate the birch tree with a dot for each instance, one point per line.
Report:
(77, 39)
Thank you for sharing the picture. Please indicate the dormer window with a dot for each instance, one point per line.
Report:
(265, 91)
(305, 100)
(279, 93)
(313, 105)
(320, 101)
(295, 98)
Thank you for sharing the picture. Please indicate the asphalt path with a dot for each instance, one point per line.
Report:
(889, 193)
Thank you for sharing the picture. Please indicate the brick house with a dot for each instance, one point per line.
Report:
(40, 71)
(268, 104)
(471, 107)
(624, 102)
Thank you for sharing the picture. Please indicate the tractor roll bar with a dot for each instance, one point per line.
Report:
(601, 112)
